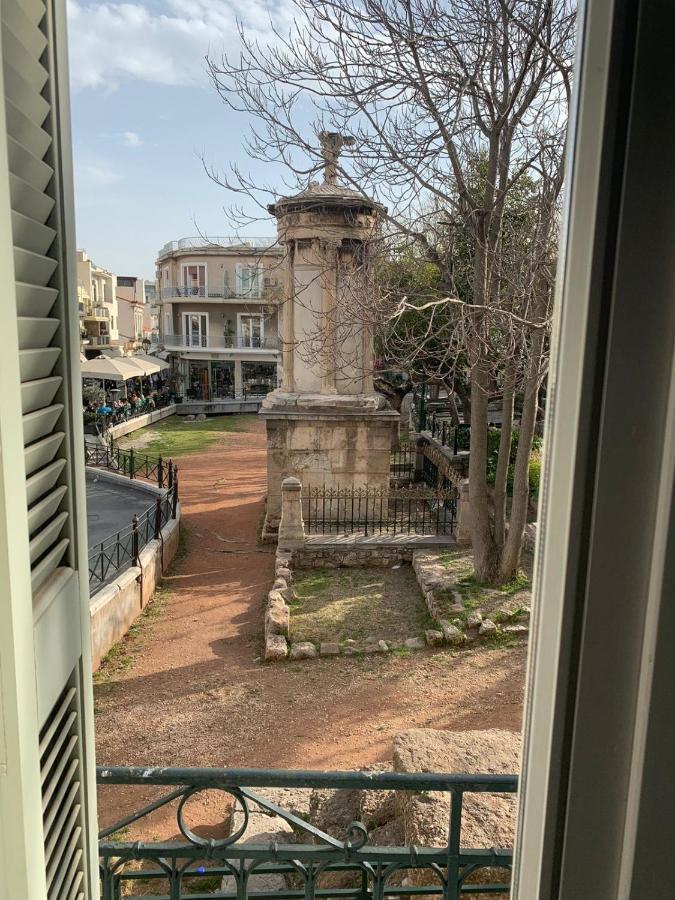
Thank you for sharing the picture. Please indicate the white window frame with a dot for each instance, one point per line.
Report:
(239, 277)
(186, 329)
(191, 265)
(240, 332)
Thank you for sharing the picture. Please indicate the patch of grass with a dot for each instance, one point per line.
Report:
(174, 437)
(339, 604)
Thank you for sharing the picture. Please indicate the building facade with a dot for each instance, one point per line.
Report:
(97, 305)
(218, 315)
(132, 310)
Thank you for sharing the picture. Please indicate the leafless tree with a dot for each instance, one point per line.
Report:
(457, 108)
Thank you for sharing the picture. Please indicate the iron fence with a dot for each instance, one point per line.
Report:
(122, 549)
(456, 437)
(131, 464)
(402, 463)
(189, 868)
(105, 421)
(373, 510)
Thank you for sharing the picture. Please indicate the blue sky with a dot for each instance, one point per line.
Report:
(143, 113)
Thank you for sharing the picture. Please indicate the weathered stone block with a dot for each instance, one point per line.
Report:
(474, 619)
(276, 647)
(329, 648)
(303, 650)
(433, 638)
(277, 619)
(414, 643)
(487, 628)
(452, 634)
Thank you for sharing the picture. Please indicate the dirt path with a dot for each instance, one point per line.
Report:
(197, 695)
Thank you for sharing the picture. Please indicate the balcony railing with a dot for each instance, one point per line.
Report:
(226, 342)
(97, 312)
(199, 242)
(195, 866)
(265, 292)
(101, 340)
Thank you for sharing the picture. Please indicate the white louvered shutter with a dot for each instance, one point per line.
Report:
(34, 72)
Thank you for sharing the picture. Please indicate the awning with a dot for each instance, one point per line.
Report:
(157, 363)
(110, 369)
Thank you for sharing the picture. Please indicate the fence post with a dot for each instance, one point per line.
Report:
(134, 540)
(455, 448)
(169, 481)
(463, 513)
(131, 463)
(291, 526)
(160, 473)
(174, 499)
(158, 517)
(444, 432)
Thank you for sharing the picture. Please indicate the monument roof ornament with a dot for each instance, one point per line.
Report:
(332, 143)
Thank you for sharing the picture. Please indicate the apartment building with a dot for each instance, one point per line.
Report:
(131, 304)
(97, 305)
(151, 313)
(219, 301)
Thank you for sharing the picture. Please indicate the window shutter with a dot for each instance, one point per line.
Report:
(30, 152)
(238, 279)
(38, 208)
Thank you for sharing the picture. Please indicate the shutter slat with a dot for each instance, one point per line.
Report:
(34, 9)
(66, 849)
(40, 393)
(39, 454)
(31, 235)
(24, 95)
(63, 824)
(56, 719)
(45, 509)
(36, 333)
(48, 564)
(44, 480)
(28, 200)
(70, 873)
(19, 57)
(46, 537)
(28, 32)
(33, 267)
(40, 423)
(33, 300)
(24, 163)
(38, 363)
(51, 774)
(64, 796)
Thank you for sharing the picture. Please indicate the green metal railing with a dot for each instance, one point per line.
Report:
(177, 868)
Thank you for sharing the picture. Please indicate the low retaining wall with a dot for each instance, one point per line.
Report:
(115, 607)
(137, 422)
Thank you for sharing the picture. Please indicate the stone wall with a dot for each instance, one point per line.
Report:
(141, 421)
(334, 557)
(116, 606)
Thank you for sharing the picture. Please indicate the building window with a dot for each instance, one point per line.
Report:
(248, 281)
(194, 280)
(251, 331)
(195, 329)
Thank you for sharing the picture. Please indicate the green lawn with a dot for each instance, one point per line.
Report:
(175, 437)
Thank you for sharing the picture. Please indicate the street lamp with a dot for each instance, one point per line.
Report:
(145, 343)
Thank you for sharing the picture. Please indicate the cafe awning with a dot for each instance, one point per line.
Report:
(109, 369)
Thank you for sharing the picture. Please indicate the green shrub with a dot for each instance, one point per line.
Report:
(534, 467)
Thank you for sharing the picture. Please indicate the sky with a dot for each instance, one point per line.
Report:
(144, 114)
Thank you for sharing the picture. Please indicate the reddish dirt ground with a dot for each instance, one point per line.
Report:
(196, 693)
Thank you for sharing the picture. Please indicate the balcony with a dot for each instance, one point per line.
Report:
(97, 313)
(266, 294)
(100, 340)
(226, 342)
(299, 860)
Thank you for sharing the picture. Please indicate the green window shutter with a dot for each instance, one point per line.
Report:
(51, 699)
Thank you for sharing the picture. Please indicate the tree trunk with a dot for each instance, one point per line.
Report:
(510, 557)
(452, 406)
(485, 553)
(502, 473)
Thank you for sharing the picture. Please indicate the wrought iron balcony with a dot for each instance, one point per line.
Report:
(225, 342)
(264, 293)
(229, 242)
(194, 867)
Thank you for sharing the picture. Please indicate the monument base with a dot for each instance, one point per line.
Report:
(336, 440)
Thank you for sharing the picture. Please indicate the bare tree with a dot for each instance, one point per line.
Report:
(456, 107)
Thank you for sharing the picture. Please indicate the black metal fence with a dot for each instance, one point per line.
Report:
(105, 421)
(121, 550)
(402, 463)
(131, 464)
(195, 866)
(457, 437)
(374, 510)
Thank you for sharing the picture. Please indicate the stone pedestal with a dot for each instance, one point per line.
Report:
(336, 441)
(291, 527)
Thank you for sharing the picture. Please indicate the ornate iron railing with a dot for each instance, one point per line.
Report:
(131, 464)
(175, 870)
(374, 510)
(402, 463)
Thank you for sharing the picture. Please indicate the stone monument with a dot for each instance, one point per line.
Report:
(326, 425)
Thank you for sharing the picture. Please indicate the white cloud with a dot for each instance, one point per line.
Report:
(96, 175)
(130, 139)
(114, 42)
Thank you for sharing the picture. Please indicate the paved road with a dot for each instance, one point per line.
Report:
(110, 507)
